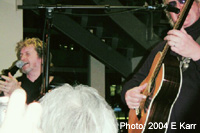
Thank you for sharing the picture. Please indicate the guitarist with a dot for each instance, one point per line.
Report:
(183, 43)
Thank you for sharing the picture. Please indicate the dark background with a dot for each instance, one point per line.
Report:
(113, 37)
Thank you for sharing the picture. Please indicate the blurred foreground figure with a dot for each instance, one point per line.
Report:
(20, 118)
(68, 109)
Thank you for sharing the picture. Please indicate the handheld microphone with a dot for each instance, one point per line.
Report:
(13, 69)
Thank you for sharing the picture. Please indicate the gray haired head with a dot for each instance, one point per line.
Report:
(76, 109)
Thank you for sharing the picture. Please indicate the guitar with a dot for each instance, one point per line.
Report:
(164, 83)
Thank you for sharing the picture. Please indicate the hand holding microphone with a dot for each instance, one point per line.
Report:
(14, 68)
(10, 83)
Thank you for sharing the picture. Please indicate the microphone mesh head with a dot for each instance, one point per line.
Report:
(19, 64)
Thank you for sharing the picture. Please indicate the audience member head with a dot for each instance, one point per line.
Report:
(68, 109)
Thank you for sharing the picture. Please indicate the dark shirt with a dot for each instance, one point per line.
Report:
(186, 107)
(33, 88)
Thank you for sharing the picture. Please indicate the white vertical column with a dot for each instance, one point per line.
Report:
(11, 31)
(97, 75)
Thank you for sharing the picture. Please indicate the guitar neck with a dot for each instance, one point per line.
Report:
(179, 23)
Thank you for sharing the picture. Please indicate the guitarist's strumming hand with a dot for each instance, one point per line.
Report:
(133, 96)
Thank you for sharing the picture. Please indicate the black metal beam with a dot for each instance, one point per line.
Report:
(131, 25)
(93, 44)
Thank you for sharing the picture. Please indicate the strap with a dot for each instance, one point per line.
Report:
(186, 61)
(198, 40)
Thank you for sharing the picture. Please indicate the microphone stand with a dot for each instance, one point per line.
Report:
(46, 65)
(49, 17)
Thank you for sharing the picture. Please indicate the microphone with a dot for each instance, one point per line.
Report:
(171, 8)
(13, 69)
(167, 7)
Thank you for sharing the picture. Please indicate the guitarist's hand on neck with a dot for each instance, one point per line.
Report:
(183, 44)
(179, 40)
(133, 96)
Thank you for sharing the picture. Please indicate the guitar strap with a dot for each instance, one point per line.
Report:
(198, 40)
(185, 61)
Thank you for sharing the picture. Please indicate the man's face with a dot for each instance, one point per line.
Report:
(193, 14)
(29, 55)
